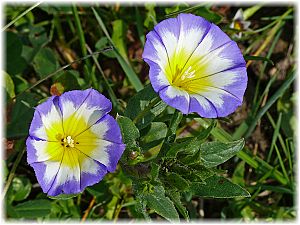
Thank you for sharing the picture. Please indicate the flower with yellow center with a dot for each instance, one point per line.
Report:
(195, 66)
(73, 142)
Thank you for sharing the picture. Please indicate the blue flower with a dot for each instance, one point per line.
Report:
(73, 142)
(195, 66)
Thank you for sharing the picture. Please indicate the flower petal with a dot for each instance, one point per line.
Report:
(176, 98)
(225, 57)
(215, 38)
(155, 51)
(104, 152)
(223, 101)
(88, 104)
(202, 106)
(157, 76)
(57, 178)
(168, 32)
(192, 31)
(205, 67)
(233, 81)
(107, 148)
(106, 129)
(47, 120)
(40, 150)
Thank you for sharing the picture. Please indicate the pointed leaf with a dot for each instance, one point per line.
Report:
(143, 99)
(161, 204)
(33, 209)
(175, 197)
(218, 187)
(215, 153)
(129, 131)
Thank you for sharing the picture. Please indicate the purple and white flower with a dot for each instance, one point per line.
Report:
(239, 23)
(195, 66)
(73, 142)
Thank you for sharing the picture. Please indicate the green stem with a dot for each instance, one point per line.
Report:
(80, 31)
(146, 110)
(91, 75)
(20, 16)
(111, 93)
(171, 134)
(12, 172)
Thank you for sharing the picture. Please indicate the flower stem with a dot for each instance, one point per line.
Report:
(171, 133)
(88, 209)
(12, 172)
(146, 110)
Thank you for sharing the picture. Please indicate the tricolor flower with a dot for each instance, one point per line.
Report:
(73, 142)
(195, 66)
(239, 23)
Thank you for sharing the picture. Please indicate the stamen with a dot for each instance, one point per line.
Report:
(68, 141)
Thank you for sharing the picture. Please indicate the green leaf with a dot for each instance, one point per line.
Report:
(69, 80)
(118, 37)
(100, 191)
(20, 83)
(156, 131)
(45, 62)
(218, 187)
(191, 145)
(153, 135)
(177, 181)
(181, 8)
(38, 36)
(259, 58)
(215, 153)
(12, 12)
(161, 204)
(209, 15)
(21, 115)
(33, 209)
(239, 173)
(5, 169)
(129, 131)
(28, 53)
(139, 102)
(63, 196)
(154, 170)
(140, 208)
(19, 190)
(9, 87)
(192, 173)
(15, 63)
(139, 25)
(286, 105)
(64, 208)
(251, 11)
(130, 73)
(172, 9)
(201, 172)
(102, 43)
(150, 20)
(176, 199)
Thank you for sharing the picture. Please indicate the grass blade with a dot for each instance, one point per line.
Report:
(131, 75)
(110, 91)
(275, 136)
(20, 16)
(291, 77)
